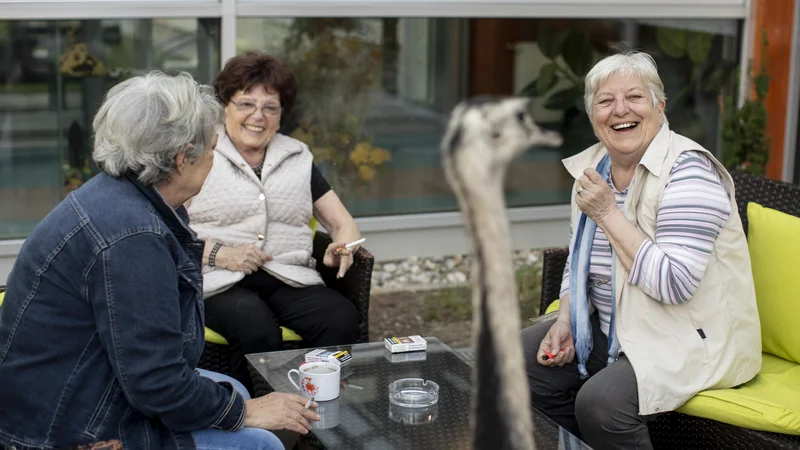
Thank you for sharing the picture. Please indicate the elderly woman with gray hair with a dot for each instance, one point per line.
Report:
(102, 323)
(657, 299)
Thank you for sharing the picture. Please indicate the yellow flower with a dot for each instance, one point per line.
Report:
(360, 154)
(379, 156)
(366, 173)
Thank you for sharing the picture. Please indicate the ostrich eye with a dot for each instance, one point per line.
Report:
(521, 117)
(495, 135)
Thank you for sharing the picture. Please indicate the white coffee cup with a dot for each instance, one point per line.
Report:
(317, 379)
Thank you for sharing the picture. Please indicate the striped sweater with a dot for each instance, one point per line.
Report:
(694, 207)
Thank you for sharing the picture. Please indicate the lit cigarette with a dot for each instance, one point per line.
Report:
(352, 244)
(309, 402)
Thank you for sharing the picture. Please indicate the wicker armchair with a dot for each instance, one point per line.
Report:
(355, 285)
(675, 430)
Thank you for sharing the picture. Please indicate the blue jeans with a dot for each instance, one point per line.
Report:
(244, 439)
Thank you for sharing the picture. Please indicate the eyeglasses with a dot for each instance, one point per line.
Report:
(248, 108)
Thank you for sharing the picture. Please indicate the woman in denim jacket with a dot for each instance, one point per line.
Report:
(102, 323)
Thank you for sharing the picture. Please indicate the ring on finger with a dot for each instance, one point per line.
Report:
(580, 189)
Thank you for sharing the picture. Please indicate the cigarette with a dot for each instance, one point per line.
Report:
(309, 402)
(352, 244)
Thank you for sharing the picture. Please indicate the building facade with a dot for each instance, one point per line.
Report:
(377, 81)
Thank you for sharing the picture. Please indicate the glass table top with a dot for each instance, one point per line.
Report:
(364, 418)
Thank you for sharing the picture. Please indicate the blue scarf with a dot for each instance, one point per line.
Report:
(583, 239)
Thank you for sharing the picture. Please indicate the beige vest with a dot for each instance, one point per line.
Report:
(235, 208)
(671, 360)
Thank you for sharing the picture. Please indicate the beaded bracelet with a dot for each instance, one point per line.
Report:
(212, 257)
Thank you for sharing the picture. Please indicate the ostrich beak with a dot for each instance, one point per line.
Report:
(540, 137)
(547, 138)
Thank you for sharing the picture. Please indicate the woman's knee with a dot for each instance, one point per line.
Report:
(590, 409)
(532, 338)
(257, 338)
(244, 439)
(341, 321)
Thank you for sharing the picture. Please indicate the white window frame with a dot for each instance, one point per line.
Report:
(550, 221)
(229, 10)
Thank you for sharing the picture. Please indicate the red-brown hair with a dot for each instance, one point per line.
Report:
(244, 72)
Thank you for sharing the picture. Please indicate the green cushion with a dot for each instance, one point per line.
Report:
(769, 402)
(313, 225)
(553, 307)
(216, 338)
(774, 242)
(2, 295)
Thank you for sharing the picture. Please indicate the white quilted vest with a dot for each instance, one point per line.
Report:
(235, 208)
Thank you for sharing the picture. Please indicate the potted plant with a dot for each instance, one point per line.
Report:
(745, 144)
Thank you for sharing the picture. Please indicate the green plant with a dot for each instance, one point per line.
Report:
(689, 77)
(745, 144)
(337, 67)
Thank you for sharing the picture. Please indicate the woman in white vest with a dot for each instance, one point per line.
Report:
(253, 213)
(657, 299)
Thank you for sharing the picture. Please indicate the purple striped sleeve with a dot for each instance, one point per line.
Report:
(694, 208)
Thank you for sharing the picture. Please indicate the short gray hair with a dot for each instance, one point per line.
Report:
(146, 121)
(629, 63)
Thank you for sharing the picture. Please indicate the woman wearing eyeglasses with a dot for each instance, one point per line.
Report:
(253, 213)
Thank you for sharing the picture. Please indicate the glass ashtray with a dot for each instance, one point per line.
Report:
(413, 392)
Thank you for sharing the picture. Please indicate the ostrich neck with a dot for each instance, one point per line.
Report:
(502, 402)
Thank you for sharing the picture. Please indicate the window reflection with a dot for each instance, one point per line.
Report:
(53, 76)
(375, 94)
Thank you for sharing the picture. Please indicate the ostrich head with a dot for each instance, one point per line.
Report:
(496, 129)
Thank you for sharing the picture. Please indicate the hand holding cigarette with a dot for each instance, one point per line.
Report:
(351, 245)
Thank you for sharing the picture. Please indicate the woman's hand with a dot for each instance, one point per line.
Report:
(245, 259)
(557, 342)
(594, 197)
(338, 255)
(278, 411)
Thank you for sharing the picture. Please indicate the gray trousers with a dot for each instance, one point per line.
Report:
(603, 410)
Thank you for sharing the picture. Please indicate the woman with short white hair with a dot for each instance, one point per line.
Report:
(657, 298)
(102, 324)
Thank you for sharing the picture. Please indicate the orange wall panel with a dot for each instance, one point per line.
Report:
(775, 16)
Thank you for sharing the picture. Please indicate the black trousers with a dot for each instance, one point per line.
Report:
(602, 410)
(249, 315)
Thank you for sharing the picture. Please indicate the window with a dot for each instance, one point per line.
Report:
(53, 75)
(375, 94)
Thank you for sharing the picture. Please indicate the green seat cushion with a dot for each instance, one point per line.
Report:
(216, 338)
(768, 402)
(553, 307)
(313, 225)
(774, 243)
(2, 295)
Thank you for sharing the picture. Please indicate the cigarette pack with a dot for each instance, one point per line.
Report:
(338, 357)
(405, 357)
(405, 344)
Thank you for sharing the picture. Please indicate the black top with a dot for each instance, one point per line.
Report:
(319, 185)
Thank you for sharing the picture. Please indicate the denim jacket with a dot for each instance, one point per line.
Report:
(102, 326)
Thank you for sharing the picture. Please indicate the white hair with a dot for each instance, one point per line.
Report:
(146, 121)
(626, 64)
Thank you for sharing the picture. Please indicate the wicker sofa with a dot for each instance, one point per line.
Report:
(675, 430)
(355, 285)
